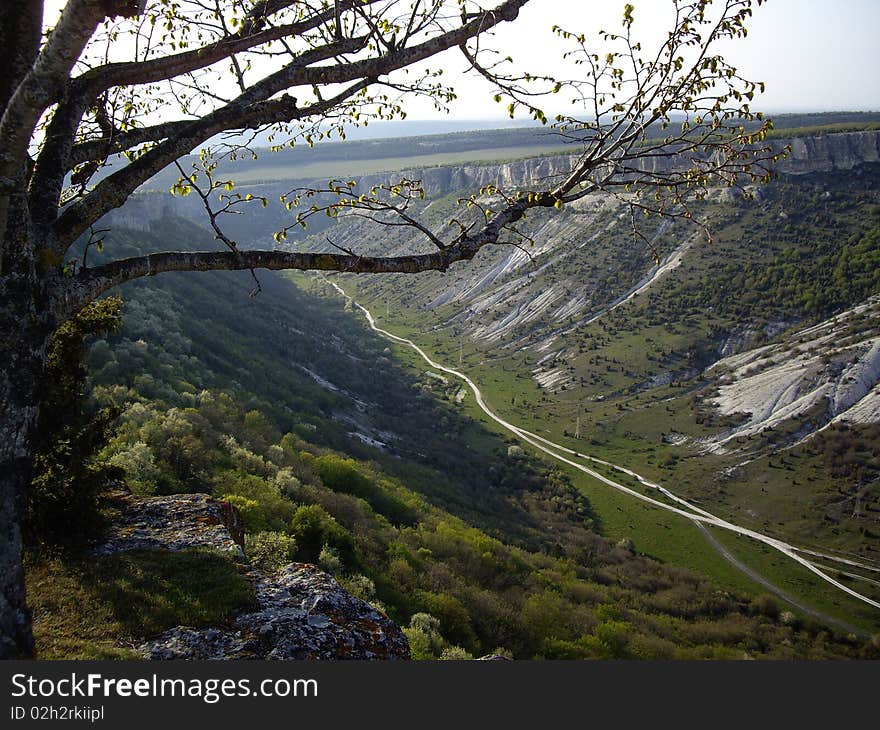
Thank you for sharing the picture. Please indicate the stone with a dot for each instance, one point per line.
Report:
(175, 522)
(338, 625)
(303, 613)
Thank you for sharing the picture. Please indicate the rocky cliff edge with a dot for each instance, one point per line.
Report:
(302, 612)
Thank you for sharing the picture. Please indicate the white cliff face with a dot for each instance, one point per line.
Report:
(820, 153)
(808, 154)
(825, 374)
(534, 295)
(827, 152)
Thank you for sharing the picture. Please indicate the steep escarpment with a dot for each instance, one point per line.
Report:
(827, 152)
(827, 373)
(819, 153)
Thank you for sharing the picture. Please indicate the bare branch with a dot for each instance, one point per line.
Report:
(89, 283)
(253, 108)
(102, 78)
(114, 190)
(44, 83)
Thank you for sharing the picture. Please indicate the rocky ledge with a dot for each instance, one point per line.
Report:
(302, 612)
(174, 522)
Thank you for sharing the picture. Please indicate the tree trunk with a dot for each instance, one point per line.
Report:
(26, 323)
(17, 425)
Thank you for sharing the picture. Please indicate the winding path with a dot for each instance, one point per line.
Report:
(680, 506)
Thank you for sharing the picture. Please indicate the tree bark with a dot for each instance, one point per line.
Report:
(26, 323)
(17, 429)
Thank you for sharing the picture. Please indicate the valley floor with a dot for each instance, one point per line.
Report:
(666, 500)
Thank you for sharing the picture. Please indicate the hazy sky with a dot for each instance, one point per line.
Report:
(812, 54)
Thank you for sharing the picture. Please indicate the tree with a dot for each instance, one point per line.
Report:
(118, 90)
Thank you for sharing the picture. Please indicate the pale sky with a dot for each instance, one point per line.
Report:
(814, 55)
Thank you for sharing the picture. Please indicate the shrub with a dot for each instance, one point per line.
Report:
(250, 511)
(425, 622)
(270, 551)
(455, 653)
(271, 511)
(453, 616)
(313, 528)
(766, 605)
(360, 587)
(68, 476)
(329, 560)
(423, 633)
(342, 475)
(139, 464)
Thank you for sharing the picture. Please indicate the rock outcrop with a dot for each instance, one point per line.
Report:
(302, 612)
(826, 152)
(824, 374)
(175, 522)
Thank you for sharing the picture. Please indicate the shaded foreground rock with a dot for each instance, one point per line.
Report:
(303, 613)
(174, 522)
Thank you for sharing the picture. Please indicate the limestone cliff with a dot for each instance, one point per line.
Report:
(820, 153)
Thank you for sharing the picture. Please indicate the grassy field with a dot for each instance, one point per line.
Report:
(254, 173)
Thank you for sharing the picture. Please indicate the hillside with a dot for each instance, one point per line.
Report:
(650, 364)
(336, 451)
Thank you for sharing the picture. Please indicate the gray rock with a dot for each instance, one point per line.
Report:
(175, 522)
(303, 613)
(338, 626)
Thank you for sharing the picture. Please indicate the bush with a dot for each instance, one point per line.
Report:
(423, 633)
(139, 464)
(63, 499)
(269, 551)
(343, 475)
(788, 618)
(766, 605)
(68, 475)
(249, 510)
(455, 653)
(453, 616)
(329, 560)
(313, 528)
(269, 511)
(360, 587)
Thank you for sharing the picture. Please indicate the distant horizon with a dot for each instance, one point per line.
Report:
(448, 125)
(506, 121)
